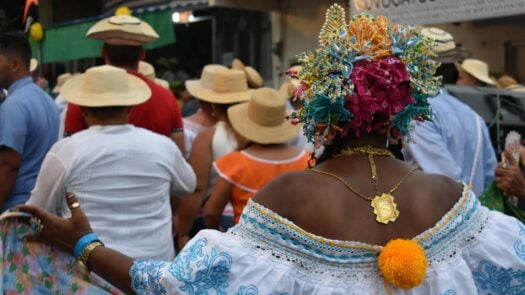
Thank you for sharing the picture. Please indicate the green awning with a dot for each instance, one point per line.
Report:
(68, 42)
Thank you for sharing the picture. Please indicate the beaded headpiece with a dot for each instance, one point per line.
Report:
(366, 76)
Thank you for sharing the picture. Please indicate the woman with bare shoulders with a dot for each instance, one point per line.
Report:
(359, 221)
(217, 89)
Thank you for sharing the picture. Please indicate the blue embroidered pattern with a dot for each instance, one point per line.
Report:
(146, 276)
(200, 272)
(247, 290)
(499, 280)
(519, 246)
(450, 292)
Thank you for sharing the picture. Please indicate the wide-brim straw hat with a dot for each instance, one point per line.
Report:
(163, 83)
(105, 86)
(478, 69)
(444, 40)
(33, 64)
(255, 79)
(218, 84)
(263, 119)
(147, 70)
(516, 88)
(506, 81)
(61, 80)
(123, 30)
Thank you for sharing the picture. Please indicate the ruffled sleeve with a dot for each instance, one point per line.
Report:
(201, 267)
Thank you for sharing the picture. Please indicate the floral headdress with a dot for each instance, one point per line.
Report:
(367, 76)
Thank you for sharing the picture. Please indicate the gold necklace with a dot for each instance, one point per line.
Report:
(364, 150)
(385, 207)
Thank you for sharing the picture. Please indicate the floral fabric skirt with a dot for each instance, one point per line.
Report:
(36, 268)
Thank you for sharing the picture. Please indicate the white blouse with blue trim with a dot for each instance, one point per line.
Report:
(471, 250)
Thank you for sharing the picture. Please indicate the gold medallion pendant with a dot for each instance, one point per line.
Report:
(385, 208)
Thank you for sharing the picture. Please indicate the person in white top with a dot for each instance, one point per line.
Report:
(124, 176)
(219, 87)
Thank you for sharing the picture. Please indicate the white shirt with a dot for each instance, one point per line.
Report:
(123, 177)
(62, 111)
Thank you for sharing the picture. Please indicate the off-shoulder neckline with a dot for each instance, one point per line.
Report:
(420, 238)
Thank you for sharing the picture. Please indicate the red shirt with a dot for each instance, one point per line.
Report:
(160, 113)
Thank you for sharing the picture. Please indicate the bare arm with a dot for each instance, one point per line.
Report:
(200, 160)
(178, 138)
(113, 266)
(9, 164)
(219, 198)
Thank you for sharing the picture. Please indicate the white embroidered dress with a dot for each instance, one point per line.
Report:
(471, 250)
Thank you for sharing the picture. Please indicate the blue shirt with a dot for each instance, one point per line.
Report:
(447, 145)
(29, 125)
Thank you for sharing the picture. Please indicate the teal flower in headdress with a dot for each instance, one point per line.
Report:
(324, 110)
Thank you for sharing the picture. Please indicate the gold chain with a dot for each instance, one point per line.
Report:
(358, 193)
(364, 150)
(343, 182)
(385, 207)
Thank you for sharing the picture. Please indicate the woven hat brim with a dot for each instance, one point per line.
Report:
(56, 89)
(255, 79)
(138, 93)
(241, 123)
(198, 91)
(516, 88)
(116, 37)
(33, 64)
(478, 76)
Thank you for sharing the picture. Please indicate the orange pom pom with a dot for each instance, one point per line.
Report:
(403, 263)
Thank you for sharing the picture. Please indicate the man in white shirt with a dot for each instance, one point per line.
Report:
(123, 176)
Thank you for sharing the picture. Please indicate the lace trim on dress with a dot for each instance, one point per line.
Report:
(270, 234)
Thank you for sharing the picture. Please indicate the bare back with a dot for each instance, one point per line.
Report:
(323, 206)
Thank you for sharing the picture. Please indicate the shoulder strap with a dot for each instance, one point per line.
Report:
(478, 149)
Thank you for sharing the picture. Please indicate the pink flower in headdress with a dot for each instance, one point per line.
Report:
(381, 90)
(300, 89)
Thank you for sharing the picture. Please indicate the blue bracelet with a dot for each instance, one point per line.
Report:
(82, 243)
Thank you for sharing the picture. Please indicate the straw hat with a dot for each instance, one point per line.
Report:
(254, 78)
(478, 69)
(33, 64)
(506, 81)
(263, 118)
(516, 88)
(60, 82)
(218, 84)
(105, 86)
(146, 69)
(123, 30)
(163, 83)
(444, 40)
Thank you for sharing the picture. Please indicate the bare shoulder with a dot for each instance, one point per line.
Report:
(206, 135)
(439, 187)
(285, 193)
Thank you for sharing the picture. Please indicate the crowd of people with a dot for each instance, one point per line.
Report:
(107, 188)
